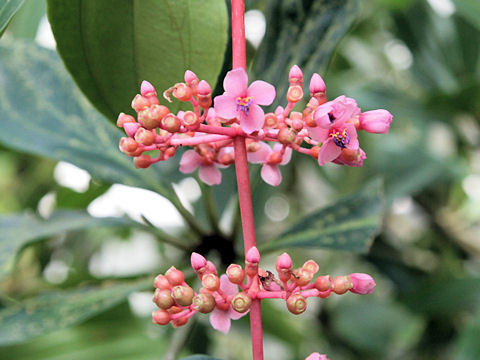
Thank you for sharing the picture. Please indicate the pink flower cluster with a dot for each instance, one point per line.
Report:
(325, 130)
(221, 296)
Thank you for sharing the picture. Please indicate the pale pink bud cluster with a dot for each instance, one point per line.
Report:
(326, 130)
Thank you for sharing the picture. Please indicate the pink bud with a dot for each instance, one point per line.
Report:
(317, 85)
(294, 94)
(317, 356)
(341, 284)
(140, 102)
(284, 262)
(190, 77)
(375, 121)
(204, 303)
(211, 282)
(241, 302)
(197, 261)
(183, 295)
(147, 89)
(163, 299)
(324, 283)
(144, 136)
(311, 266)
(235, 273)
(131, 128)
(296, 304)
(160, 317)
(362, 283)
(174, 276)
(295, 75)
(204, 88)
(253, 256)
(124, 118)
(127, 145)
(211, 267)
(142, 161)
(161, 282)
(302, 276)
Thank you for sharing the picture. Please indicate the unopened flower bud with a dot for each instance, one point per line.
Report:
(211, 282)
(161, 282)
(270, 120)
(241, 302)
(317, 356)
(191, 120)
(317, 85)
(127, 145)
(171, 123)
(140, 103)
(124, 118)
(169, 152)
(163, 299)
(252, 146)
(252, 259)
(314, 151)
(131, 128)
(204, 88)
(191, 78)
(324, 283)
(204, 94)
(274, 158)
(235, 274)
(311, 266)
(180, 322)
(198, 261)
(212, 269)
(147, 89)
(302, 276)
(160, 317)
(182, 92)
(294, 94)
(174, 276)
(341, 284)
(144, 136)
(287, 135)
(183, 295)
(142, 161)
(362, 283)
(151, 117)
(295, 76)
(204, 303)
(284, 262)
(375, 121)
(175, 310)
(296, 304)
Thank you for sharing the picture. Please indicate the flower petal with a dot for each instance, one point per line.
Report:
(235, 83)
(226, 286)
(260, 156)
(254, 121)
(225, 107)
(271, 174)
(235, 315)
(220, 320)
(286, 156)
(328, 152)
(262, 92)
(190, 161)
(210, 175)
(318, 133)
(352, 132)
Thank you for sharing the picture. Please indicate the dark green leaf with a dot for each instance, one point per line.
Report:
(21, 229)
(467, 346)
(60, 309)
(470, 10)
(304, 33)
(349, 224)
(43, 113)
(8, 8)
(110, 46)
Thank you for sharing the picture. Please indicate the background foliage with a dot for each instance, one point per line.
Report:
(60, 265)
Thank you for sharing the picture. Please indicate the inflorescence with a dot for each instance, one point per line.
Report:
(325, 130)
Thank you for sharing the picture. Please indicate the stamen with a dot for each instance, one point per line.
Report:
(341, 139)
(243, 104)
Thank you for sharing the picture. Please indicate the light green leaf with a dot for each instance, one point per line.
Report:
(59, 309)
(8, 8)
(470, 10)
(21, 229)
(349, 224)
(43, 113)
(110, 46)
(304, 33)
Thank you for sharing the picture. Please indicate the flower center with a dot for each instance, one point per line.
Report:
(340, 139)
(243, 104)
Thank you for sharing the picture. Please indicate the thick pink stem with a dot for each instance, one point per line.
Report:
(243, 178)
(191, 141)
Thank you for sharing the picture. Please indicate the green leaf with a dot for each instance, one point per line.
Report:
(349, 224)
(8, 8)
(25, 23)
(59, 309)
(21, 229)
(304, 33)
(470, 10)
(467, 346)
(43, 113)
(199, 357)
(110, 46)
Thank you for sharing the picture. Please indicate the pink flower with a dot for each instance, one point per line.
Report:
(333, 129)
(362, 283)
(221, 319)
(351, 157)
(316, 356)
(375, 121)
(270, 158)
(208, 173)
(241, 102)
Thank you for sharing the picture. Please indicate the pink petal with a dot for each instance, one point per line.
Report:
(328, 152)
(226, 286)
(318, 133)
(321, 116)
(190, 161)
(235, 315)
(220, 320)
(287, 155)
(210, 175)
(235, 83)
(262, 92)
(254, 121)
(352, 132)
(271, 174)
(260, 156)
(225, 106)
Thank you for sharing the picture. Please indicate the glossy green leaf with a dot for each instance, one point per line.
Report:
(59, 309)
(21, 229)
(8, 8)
(304, 33)
(110, 46)
(43, 113)
(470, 10)
(349, 224)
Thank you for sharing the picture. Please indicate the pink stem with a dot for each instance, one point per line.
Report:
(230, 131)
(243, 178)
(198, 140)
